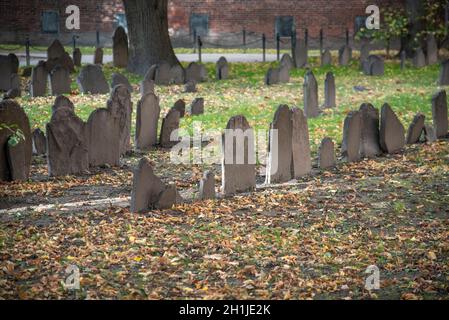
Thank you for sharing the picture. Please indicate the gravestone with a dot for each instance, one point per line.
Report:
(92, 80)
(286, 60)
(151, 73)
(429, 134)
(364, 52)
(77, 55)
(272, 76)
(300, 56)
(196, 72)
(416, 129)
(39, 75)
(39, 142)
(444, 73)
(329, 91)
(7, 68)
(180, 105)
(162, 75)
(301, 162)
(221, 69)
(13, 116)
(177, 74)
(419, 59)
(197, 107)
(15, 153)
(279, 168)
(147, 119)
(207, 186)
(67, 141)
(56, 55)
(352, 132)
(118, 78)
(55, 50)
(190, 86)
(98, 56)
(169, 125)
(238, 157)
(432, 50)
(167, 198)
(59, 79)
(344, 55)
(15, 62)
(284, 75)
(146, 86)
(326, 58)
(391, 133)
(373, 66)
(120, 48)
(121, 107)
(439, 113)
(326, 154)
(369, 144)
(15, 90)
(310, 87)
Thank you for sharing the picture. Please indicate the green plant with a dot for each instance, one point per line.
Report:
(432, 20)
(16, 134)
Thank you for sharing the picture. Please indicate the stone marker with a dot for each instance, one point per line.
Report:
(416, 129)
(190, 86)
(59, 79)
(287, 60)
(98, 56)
(120, 48)
(15, 90)
(77, 55)
(162, 74)
(392, 133)
(310, 87)
(238, 157)
(429, 134)
(118, 78)
(55, 50)
(180, 105)
(15, 62)
(444, 73)
(13, 116)
(170, 125)
(419, 59)
(146, 86)
(439, 113)
(147, 119)
(39, 75)
(177, 74)
(151, 72)
(326, 58)
(352, 132)
(369, 144)
(373, 66)
(329, 91)
(284, 75)
(272, 76)
(167, 198)
(121, 107)
(326, 154)
(301, 162)
(300, 54)
(39, 142)
(364, 52)
(56, 55)
(7, 68)
(197, 107)
(92, 80)
(221, 69)
(344, 55)
(432, 50)
(67, 142)
(207, 186)
(196, 72)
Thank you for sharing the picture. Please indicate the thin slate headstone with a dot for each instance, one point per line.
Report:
(15, 62)
(364, 52)
(77, 56)
(196, 72)
(190, 86)
(352, 132)
(120, 48)
(369, 144)
(147, 119)
(167, 198)
(13, 116)
(197, 107)
(238, 157)
(55, 50)
(221, 69)
(59, 79)
(439, 113)
(177, 74)
(391, 133)
(287, 60)
(162, 74)
(180, 105)
(118, 78)
(374, 66)
(39, 76)
(15, 90)
(207, 186)
(419, 59)
(326, 58)
(301, 161)
(121, 107)
(272, 76)
(56, 55)
(7, 68)
(429, 134)
(146, 86)
(432, 50)
(416, 129)
(444, 73)
(310, 87)
(329, 91)
(98, 56)
(170, 124)
(300, 56)
(284, 75)
(91, 79)
(39, 142)
(326, 154)
(15, 153)
(344, 55)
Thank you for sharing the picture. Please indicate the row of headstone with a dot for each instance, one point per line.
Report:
(420, 59)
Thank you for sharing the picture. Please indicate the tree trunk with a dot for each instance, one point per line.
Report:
(415, 10)
(149, 42)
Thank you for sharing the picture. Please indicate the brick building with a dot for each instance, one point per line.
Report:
(219, 22)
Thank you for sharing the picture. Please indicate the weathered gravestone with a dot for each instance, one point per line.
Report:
(286, 60)
(284, 75)
(59, 79)
(120, 48)
(190, 86)
(92, 80)
(39, 142)
(15, 90)
(310, 87)
(352, 132)
(146, 86)
(429, 134)
(121, 106)
(326, 154)
(180, 105)
(329, 91)
(444, 73)
(15, 154)
(300, 54)
(369, 144)
(238, 157)
(364, 52)
(416, 129)
(326, 58)
(344, 55)
(196, 72)
(170, 125)
(221, 69)
(207, 186)
(56, 55)
(39, 75)
(98, 56)
(147, 119)
(301, 162)
(118, 78)
(67, 142)
(419, 59)
(432, 50)
(197, 107)
(7, 69)
(272, 76)
(391, 133)
(439, 113)
(373, 66)
(162, 74)
(77, 55)
(177, 74)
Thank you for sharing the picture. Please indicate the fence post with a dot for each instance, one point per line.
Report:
(195, 39)
(200, 44)
(244, 39)
(278, 46)
(98, 38)
(347, 37)
(263, 47)
(74, 42)
(306, 36)
(293, 41)
(321, 41)
(27, 51)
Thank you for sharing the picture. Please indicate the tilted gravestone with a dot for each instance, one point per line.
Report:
(207, 186)
(180, 105)
(272, 76)
(121, 106)
(146, 86)
(284, 75)
(7, 69)
(439, 113)
(369, 144)
(344, 55)
(238, 157)
(221, 69)
(190, 86)
(170, 125)
(310, 87)
(39, 142)
(373, 66)
(300, 55)
(326, 154)
(391, 133)
(98, 56)
(147, 119)
(14, 165)
(196, 72)
(197, 107)
(39, 76)
(444, 73)
(67, 141)
(301, 161)
(326, 58)
(352, 132)
(416, 129)
(419, 59)
(118, 78)
(329, 91)
(59, 79)
(120, 48)
(77, 57)
(287, 60)
(91, 79)
(432, 50)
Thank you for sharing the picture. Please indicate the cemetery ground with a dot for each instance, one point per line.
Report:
(311, 239)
